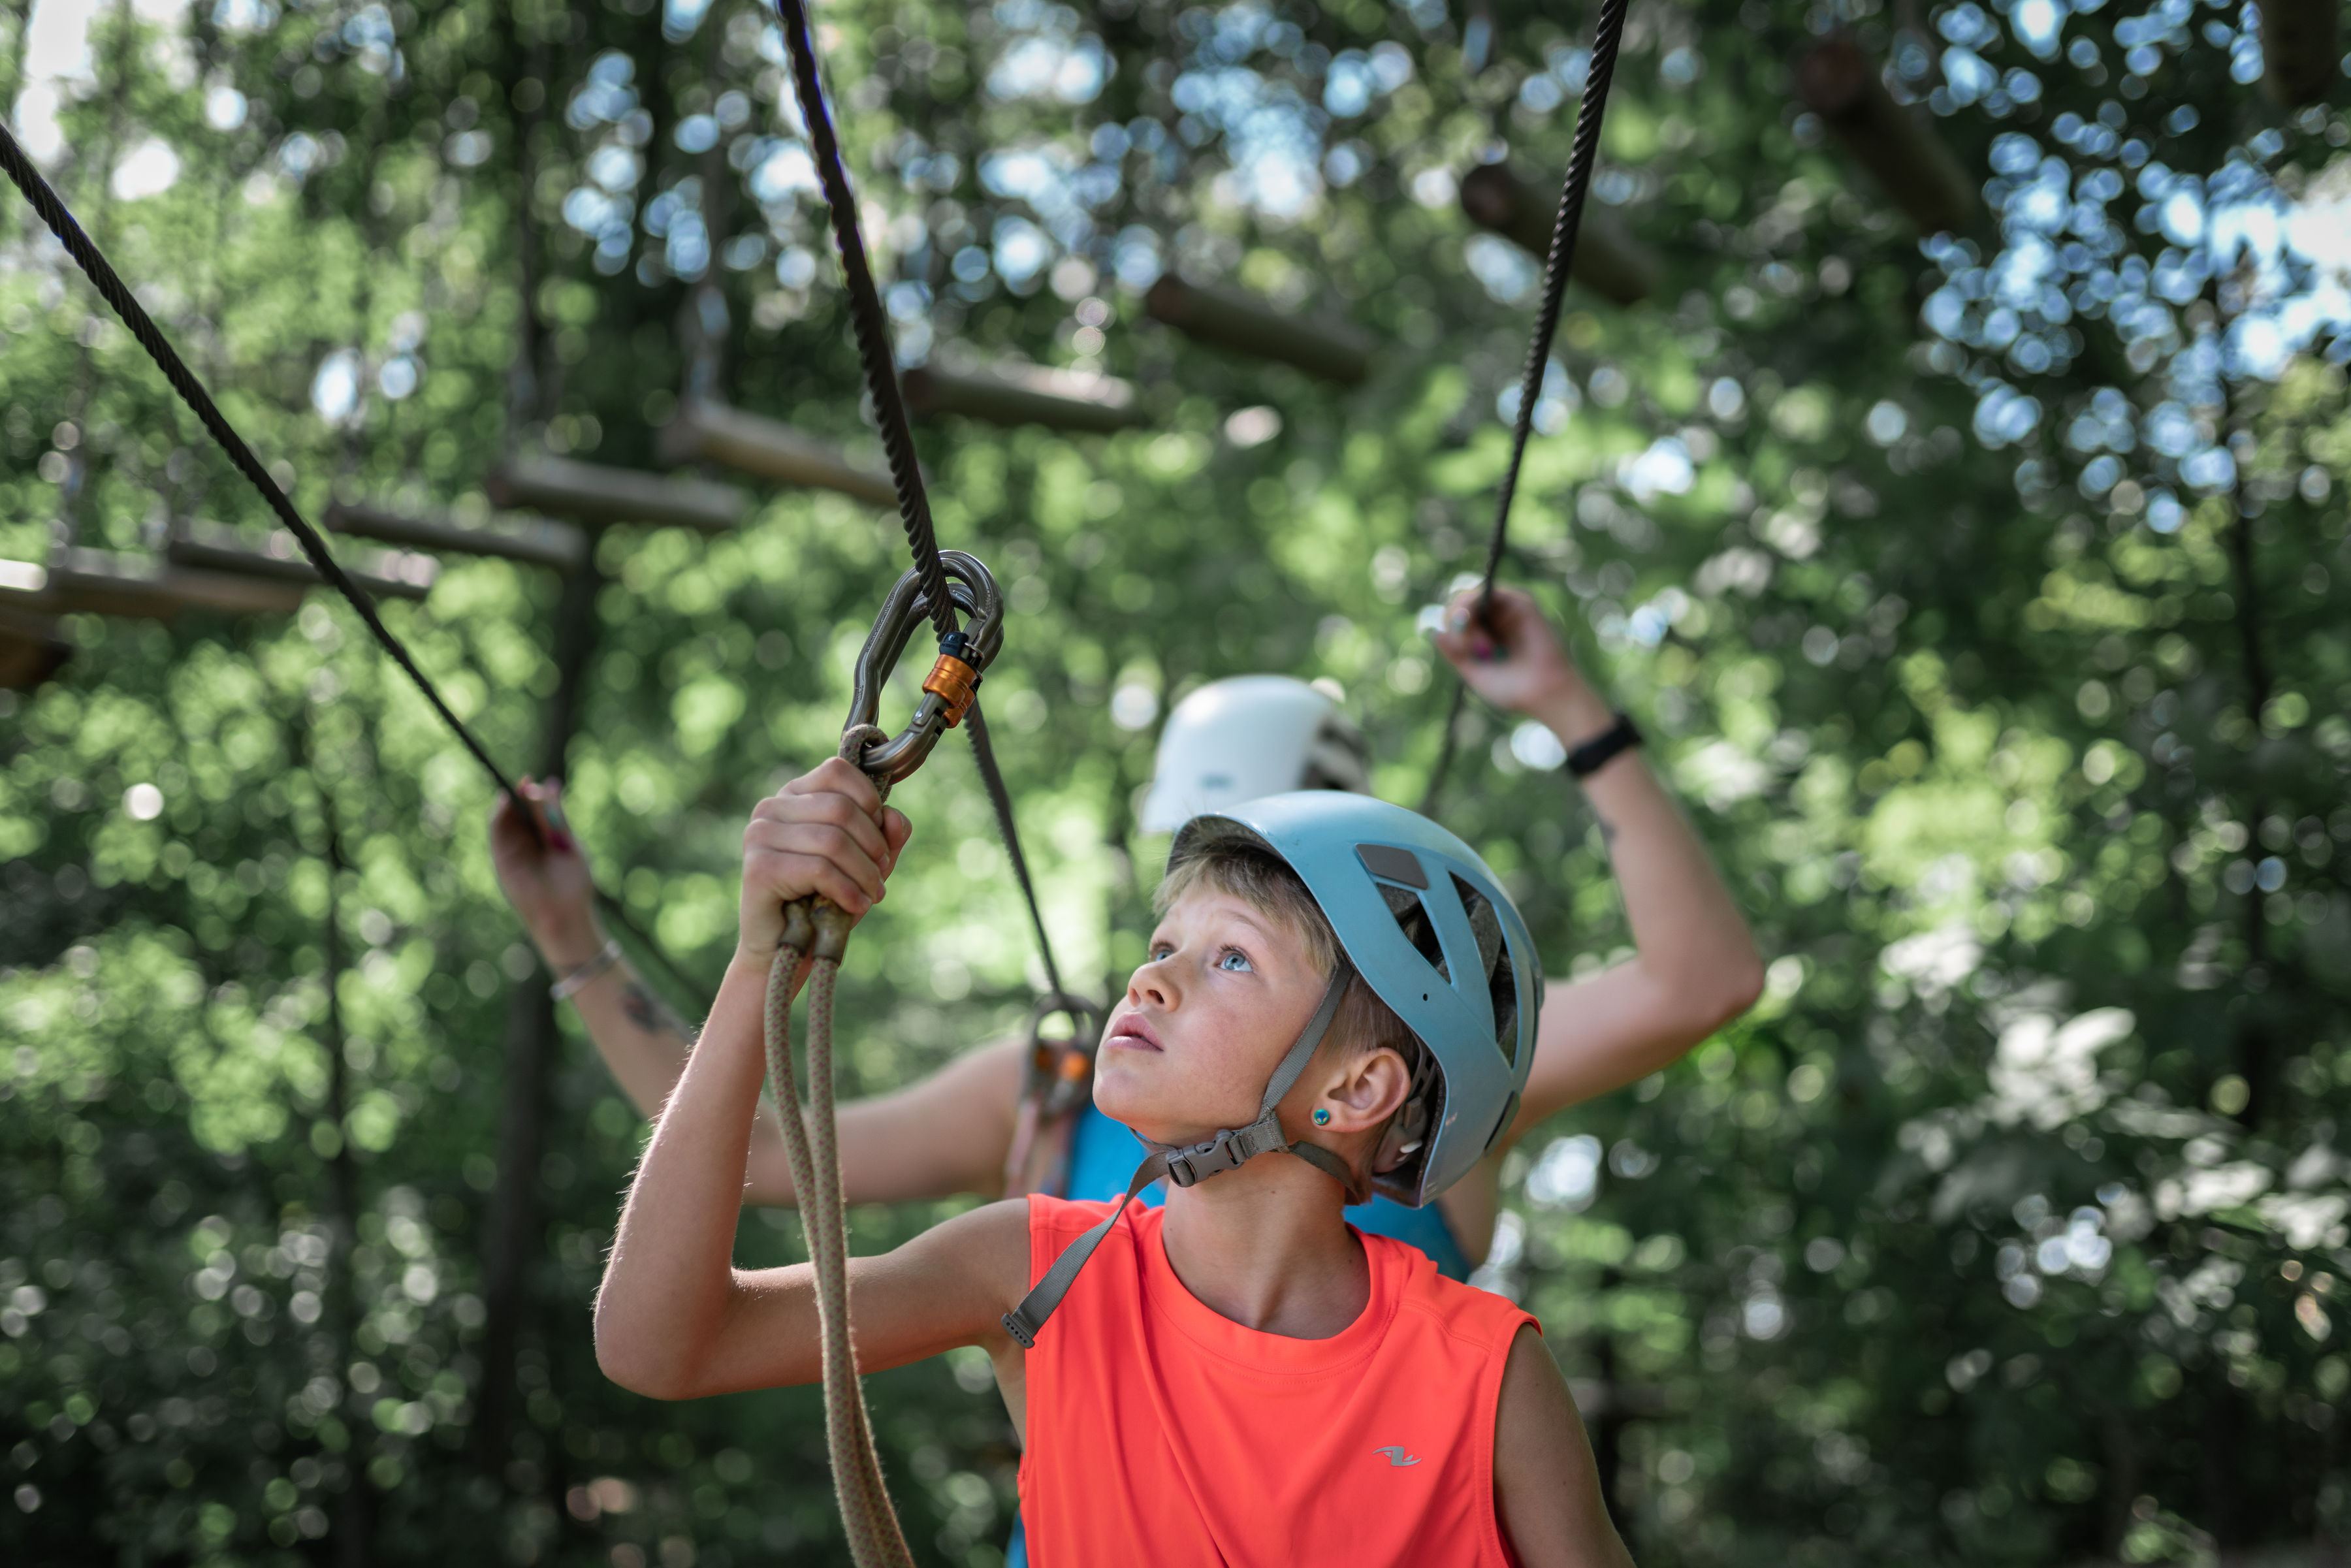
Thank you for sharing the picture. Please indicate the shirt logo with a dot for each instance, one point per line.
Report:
(1397, 1457)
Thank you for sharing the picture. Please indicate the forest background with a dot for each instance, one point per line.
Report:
(1985, 595)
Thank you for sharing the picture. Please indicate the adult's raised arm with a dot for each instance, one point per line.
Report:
(945, 1135)
(1695, 966)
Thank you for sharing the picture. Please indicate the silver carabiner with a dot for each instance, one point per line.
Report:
(952, 684)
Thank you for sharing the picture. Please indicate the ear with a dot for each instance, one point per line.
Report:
(1363, 1092)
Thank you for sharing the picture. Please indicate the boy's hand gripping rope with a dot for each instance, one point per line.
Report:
(1609, 32)
(816, 933)
(45, 200)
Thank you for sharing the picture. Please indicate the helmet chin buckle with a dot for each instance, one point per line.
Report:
(1232, 1147)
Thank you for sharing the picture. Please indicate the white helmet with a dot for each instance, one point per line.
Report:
(1248, 737)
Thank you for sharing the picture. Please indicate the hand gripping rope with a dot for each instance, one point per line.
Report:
(45, 200)
(816, 933)
(1606, 36)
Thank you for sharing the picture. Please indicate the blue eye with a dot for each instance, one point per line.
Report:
(1234, 960)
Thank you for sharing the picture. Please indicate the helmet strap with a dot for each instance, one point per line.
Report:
(1186, 1164)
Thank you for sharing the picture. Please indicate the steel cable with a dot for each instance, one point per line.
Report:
(110, 287)
(1607, 34)
(53, 210)
(866, 317)
(871, 325)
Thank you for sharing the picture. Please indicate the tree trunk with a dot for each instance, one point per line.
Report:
(512, 1241)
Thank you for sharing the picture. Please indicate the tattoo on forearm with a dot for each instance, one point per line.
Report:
(649, 1013)
(1607, 831)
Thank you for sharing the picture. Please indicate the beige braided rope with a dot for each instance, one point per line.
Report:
(812, 1151)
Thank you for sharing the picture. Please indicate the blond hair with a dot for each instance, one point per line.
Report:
(1227, 858)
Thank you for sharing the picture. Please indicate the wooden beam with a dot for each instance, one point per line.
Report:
(105, 583)
(714, 433)
(1897, 145)
(592, 493)
(1608, 261)
(384, 574)
(2301, 51)
(33, 647)
(537, 541)
(1330, 349)
(1025, 394)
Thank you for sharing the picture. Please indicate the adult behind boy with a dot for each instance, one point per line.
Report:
(1695, 967)
(1240, 1377)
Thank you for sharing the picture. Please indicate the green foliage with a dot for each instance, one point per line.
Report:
(2008, 1228)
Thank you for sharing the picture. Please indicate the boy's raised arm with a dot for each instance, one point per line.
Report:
(674, 1318)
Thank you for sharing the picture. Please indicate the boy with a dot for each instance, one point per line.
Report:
(1238, 1376)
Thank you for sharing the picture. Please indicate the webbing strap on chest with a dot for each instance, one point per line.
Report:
(1187, 1164)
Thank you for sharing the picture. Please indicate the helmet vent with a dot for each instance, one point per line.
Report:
(1494, 959)
(1412, 917)
(1392, 865)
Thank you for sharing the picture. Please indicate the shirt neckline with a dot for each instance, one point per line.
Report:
(1166, 1297)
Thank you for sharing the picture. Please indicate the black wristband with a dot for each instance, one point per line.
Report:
(1596, 753)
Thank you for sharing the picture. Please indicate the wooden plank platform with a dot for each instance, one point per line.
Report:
(594, 493)
(384, 574)
(535, 542)
(1897, 145)
(1608, 261)
(768, 448)
(1025, 394)
(1329, 349)
(107, 583)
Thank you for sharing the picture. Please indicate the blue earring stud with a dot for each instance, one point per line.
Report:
(1321, 1116)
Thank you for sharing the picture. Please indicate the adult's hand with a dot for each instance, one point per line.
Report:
(1514, 660)
(545, 875)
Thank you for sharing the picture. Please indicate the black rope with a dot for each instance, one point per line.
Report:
(1001, 799)
(1586, 152)
(53, 212)
(866, 317)
(872, 331)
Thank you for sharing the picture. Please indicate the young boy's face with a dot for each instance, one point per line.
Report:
(1205, 1020)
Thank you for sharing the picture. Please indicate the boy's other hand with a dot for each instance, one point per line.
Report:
(827, 832)
(1513, 659)
(544, 876)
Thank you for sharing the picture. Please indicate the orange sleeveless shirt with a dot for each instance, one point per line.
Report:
(1160, 1431)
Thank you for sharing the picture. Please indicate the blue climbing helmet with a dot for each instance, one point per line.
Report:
(1421, 918)
(1426, 924)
